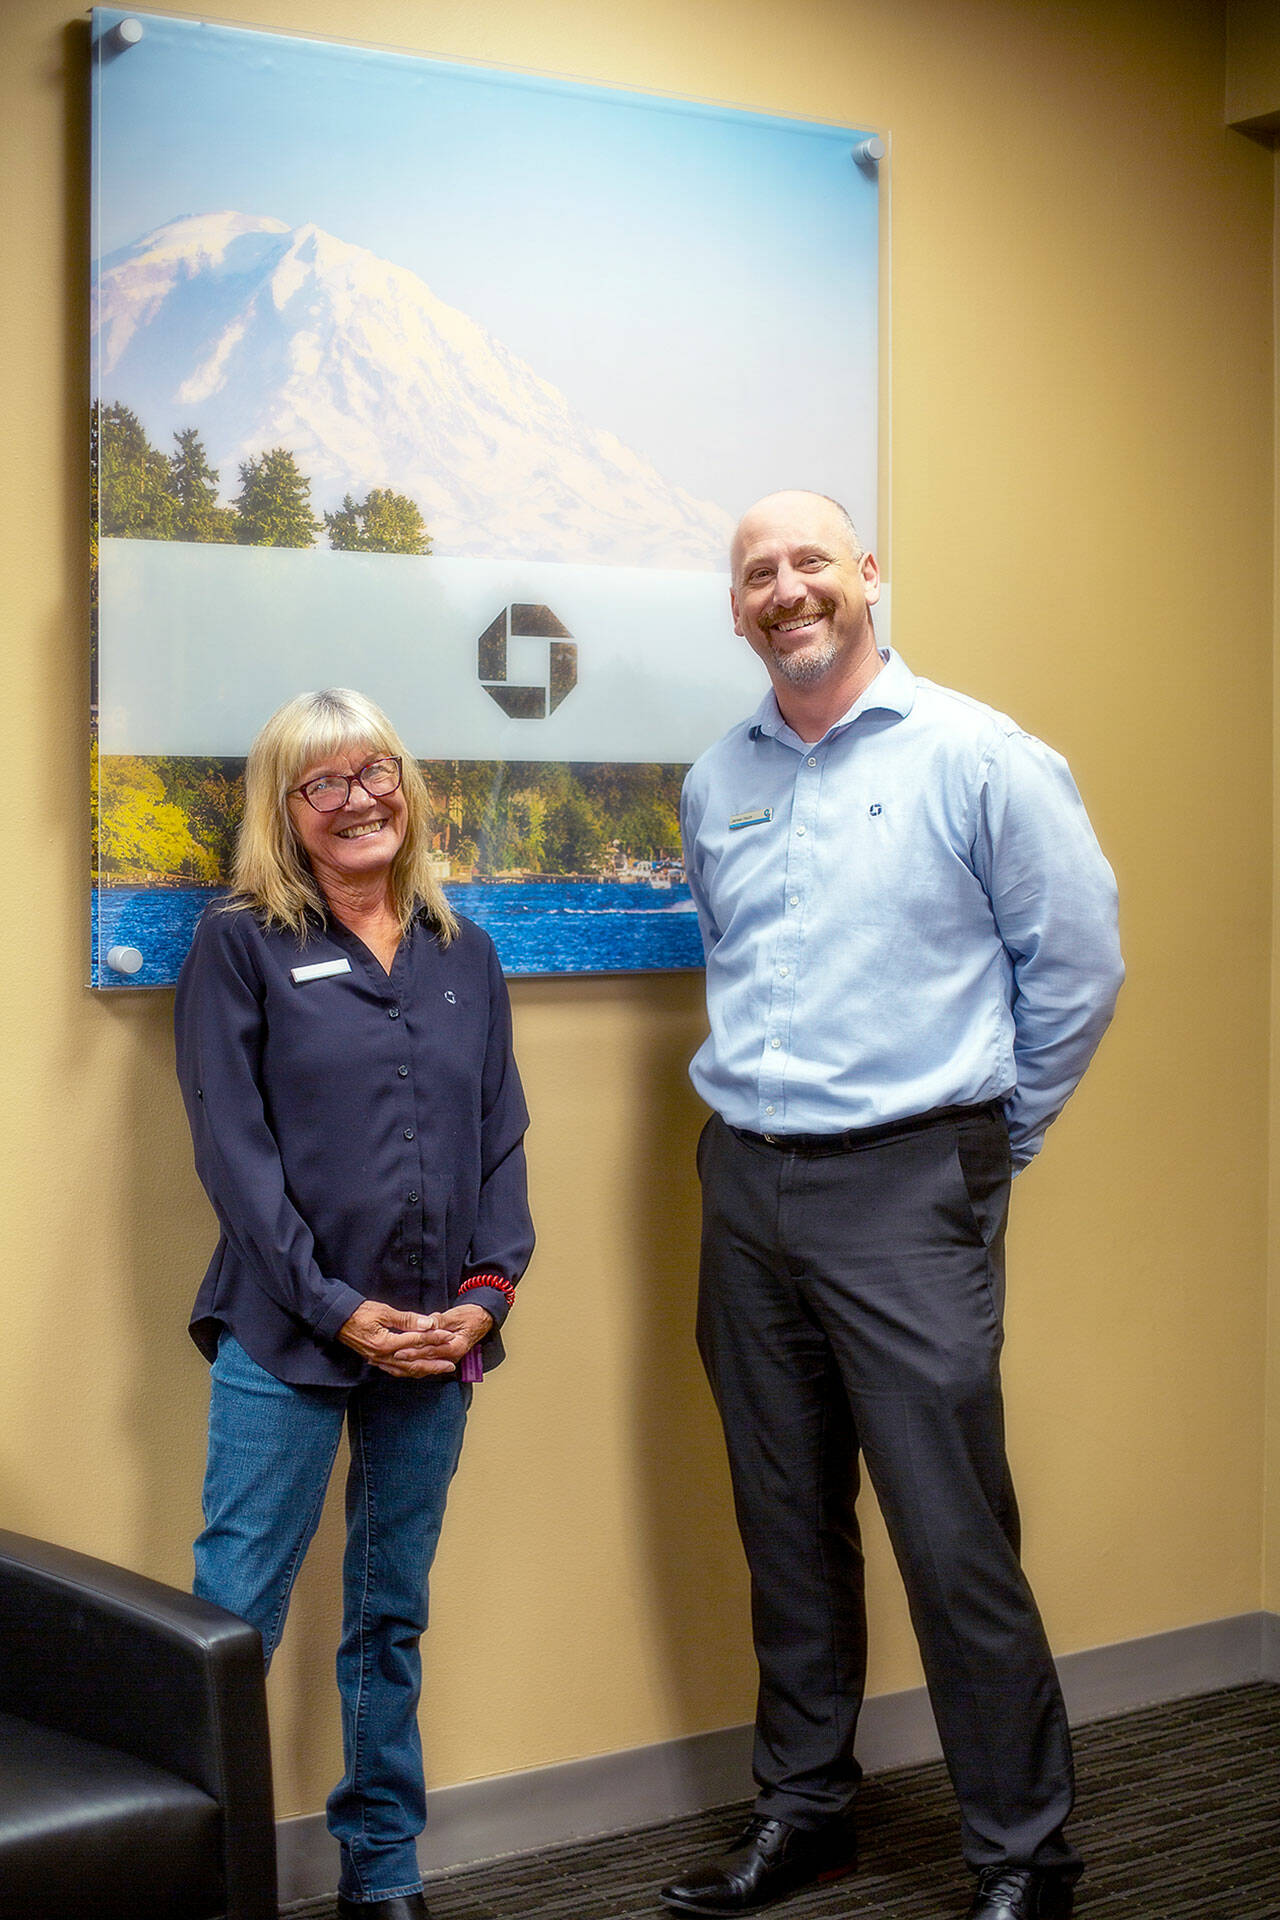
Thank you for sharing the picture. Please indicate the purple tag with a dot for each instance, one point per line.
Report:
(471, 1367)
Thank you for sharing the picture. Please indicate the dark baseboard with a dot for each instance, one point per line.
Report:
(545, 1806)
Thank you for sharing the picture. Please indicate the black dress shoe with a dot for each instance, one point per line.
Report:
(767, 1861)
(402, 1906)
(1022, 1893)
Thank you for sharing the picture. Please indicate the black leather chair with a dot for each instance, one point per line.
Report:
(135, 1773)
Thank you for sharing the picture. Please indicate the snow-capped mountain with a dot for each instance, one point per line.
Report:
(260, 335)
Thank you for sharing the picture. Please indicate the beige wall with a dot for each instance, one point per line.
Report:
(1082, 526)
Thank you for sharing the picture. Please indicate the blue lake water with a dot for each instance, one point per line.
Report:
(538, 926)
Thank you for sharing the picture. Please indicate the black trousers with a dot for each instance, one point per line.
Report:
(850, 1304)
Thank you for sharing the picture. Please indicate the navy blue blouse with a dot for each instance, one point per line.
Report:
(359, 1134)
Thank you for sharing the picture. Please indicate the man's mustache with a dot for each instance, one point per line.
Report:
(811, 610)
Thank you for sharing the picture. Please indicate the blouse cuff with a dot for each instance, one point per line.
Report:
(490, 1291)
(344, 1303)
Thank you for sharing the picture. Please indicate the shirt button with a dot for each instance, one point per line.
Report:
(775, 1043)
(408, 1133)
(771, 1109)
(414, 1261)
(812, 761)
(393, 1013)
(795, 900)
(412, 1196)
(799, 830)
(403, 1072)
(783, 972)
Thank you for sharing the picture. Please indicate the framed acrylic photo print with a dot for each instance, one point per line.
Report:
(447, 383)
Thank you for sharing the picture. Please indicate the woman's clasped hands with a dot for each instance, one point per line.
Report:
(413, 1345)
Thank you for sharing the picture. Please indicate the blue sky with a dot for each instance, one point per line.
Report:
(701, 283)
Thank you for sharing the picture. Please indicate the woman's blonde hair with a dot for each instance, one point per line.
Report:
(271, 875)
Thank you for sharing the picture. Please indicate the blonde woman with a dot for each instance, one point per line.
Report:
(344, 1052)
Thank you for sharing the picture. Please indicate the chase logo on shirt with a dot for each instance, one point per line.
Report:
(874, 808)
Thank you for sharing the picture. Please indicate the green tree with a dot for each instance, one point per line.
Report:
(134, 501)
(193, 483)
(274, 503)
(209, 793)
(528, 821)
(575, 838)
(139, 831)
(384, 523)
(649, 829)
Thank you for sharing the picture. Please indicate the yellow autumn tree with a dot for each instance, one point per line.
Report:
(139, 831)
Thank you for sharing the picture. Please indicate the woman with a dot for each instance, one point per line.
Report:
(344, 1051)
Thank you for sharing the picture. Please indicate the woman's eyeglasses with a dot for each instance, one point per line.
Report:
(333, 790)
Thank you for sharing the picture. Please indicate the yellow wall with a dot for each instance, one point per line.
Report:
(1253, 99)
(1082, 522)
(1271, 1537)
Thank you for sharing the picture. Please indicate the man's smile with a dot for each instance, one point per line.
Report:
(795, 622)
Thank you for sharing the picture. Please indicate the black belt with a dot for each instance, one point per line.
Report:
(854, 1137)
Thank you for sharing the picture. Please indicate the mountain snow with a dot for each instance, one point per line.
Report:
(260, 335)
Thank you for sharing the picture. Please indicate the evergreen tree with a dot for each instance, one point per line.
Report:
(386, 522)
(134, 501)
(343, 527)
(274, 504)
(194, 486)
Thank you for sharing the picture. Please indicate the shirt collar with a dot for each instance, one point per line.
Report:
(892, 691)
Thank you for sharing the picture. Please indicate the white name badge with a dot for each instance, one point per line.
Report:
(321, 970)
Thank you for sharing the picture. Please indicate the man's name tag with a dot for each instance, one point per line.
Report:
(320, 970)
(753, 817)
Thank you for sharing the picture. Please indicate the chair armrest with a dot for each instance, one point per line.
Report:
(95, 1650)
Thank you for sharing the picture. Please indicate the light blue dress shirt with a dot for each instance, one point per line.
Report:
(913, 912)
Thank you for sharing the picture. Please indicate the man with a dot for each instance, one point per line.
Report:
(911, 956)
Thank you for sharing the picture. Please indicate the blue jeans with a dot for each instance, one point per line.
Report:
(271, 1452)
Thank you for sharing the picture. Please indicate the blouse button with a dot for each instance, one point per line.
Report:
(412, 1196)
(408, 1133)
(393, 1013)
(414, 1260)
(403, 1072)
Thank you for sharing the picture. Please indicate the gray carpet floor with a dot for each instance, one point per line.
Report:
(1178, 1817)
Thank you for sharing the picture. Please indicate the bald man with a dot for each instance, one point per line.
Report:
(911, 954)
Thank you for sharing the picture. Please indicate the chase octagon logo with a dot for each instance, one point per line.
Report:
(520, 621)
